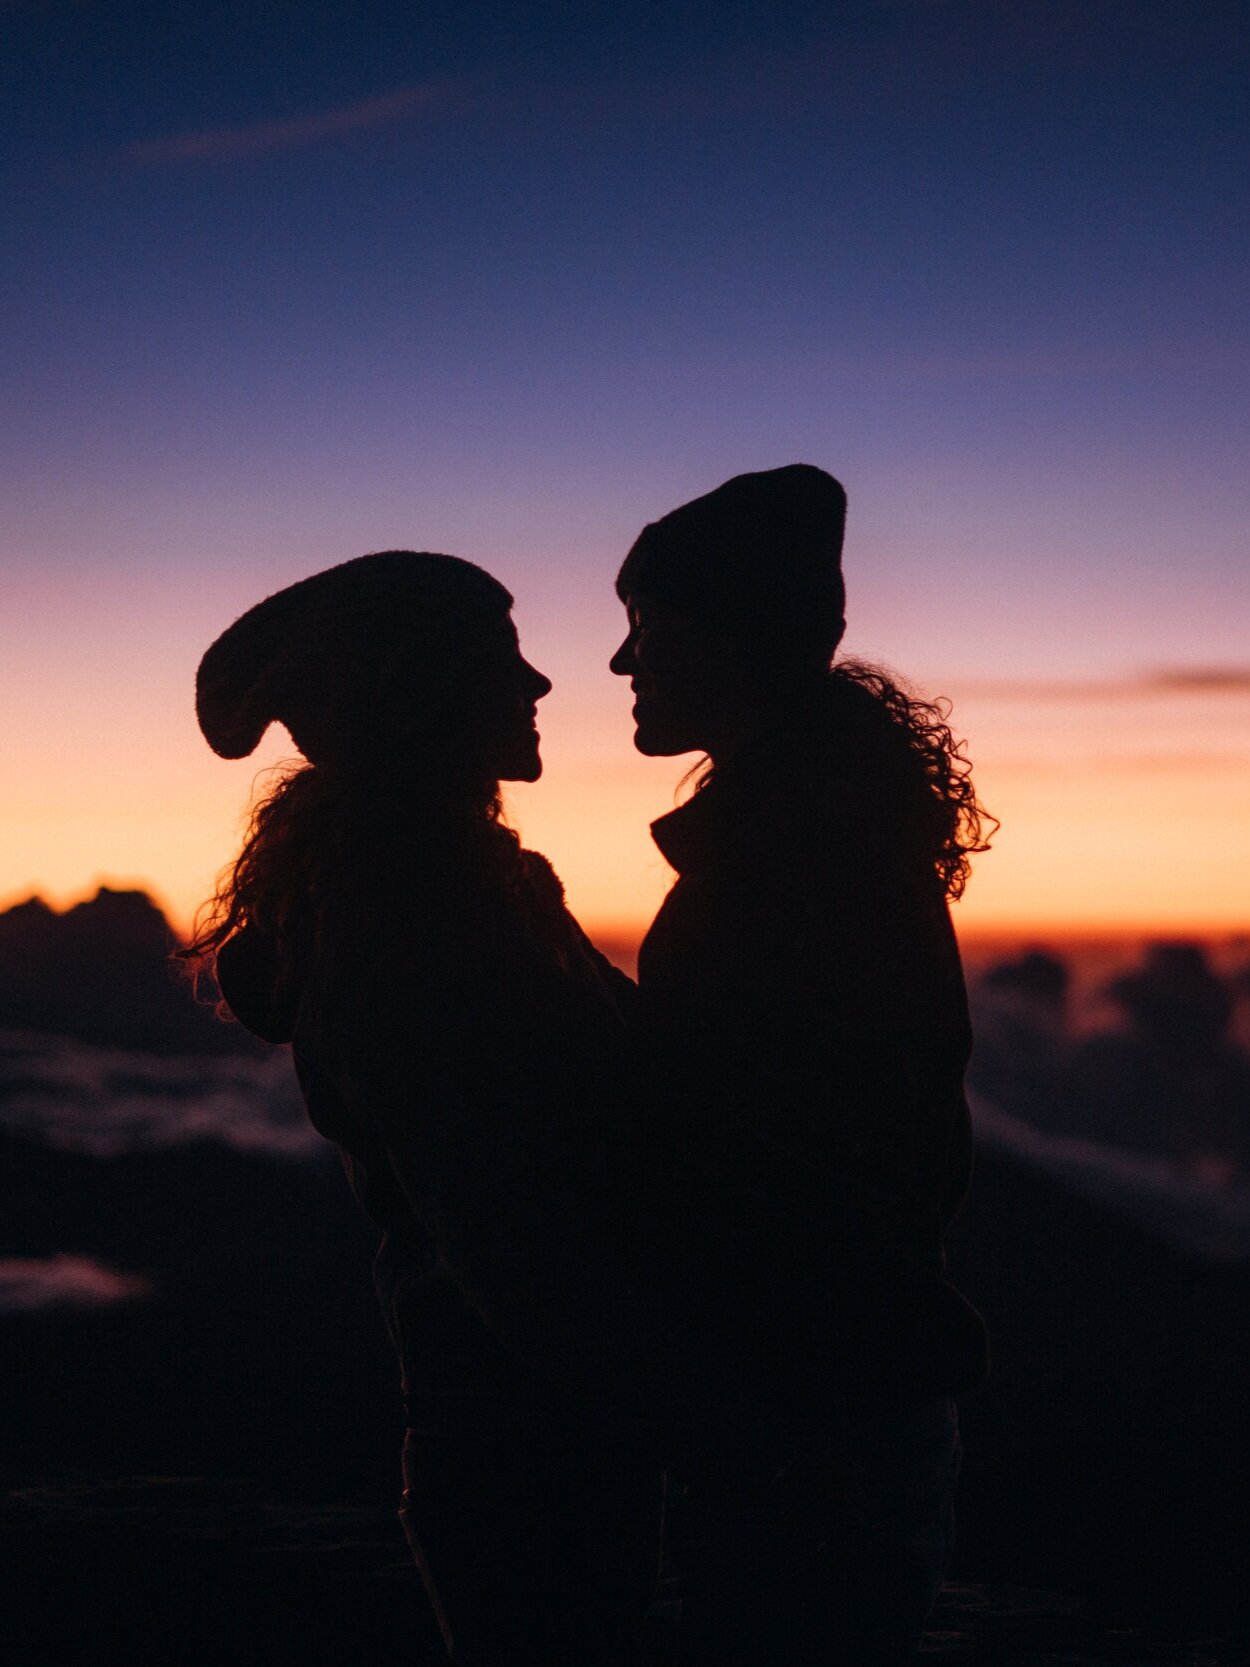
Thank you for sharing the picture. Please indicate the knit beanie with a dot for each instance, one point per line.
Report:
(763, 552)
(309, 656)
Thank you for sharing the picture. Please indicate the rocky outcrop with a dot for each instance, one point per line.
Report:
(101, 973)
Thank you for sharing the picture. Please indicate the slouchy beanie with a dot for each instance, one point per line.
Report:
(308, 656)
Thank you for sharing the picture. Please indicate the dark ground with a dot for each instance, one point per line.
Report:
(213, 1473)
(188, 1570)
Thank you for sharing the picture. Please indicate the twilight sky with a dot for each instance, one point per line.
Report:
(289, 282)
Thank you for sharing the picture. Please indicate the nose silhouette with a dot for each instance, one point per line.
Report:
(539, 685)
(624, 662)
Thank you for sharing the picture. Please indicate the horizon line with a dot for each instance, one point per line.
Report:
(630, 931)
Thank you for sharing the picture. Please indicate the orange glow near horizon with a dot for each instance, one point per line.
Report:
(1097, 835)
(1124, 802)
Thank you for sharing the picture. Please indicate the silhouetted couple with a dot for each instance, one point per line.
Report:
(693, 1227)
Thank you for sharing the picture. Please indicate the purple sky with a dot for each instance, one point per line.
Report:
(292, 282)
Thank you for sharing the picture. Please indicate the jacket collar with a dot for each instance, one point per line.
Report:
(687, 836)
(732, 817)
(750, 811)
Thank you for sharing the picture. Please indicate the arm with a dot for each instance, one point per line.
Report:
(491, 1097)
(616, 985)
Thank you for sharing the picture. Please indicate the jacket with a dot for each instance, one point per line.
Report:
(803, 1030)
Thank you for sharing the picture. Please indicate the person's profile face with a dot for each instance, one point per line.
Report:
(461, 694)
(684, 675)
(511, 689)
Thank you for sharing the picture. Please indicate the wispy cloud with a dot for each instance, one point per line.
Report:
(959, 368)
(32, 1283)
(227, 144)
(1202, 680)
(1061, 365)
(1102, 766)
(1167, 680)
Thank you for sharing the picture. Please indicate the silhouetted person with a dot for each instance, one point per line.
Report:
(453, 1031)
(800, 1039)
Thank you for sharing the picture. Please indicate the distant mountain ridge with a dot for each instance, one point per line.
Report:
(101, 972)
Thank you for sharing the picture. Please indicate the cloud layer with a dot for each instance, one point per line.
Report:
(1183, 1207)
(105, 1101)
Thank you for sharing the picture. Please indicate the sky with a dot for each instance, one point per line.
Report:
(288, 283)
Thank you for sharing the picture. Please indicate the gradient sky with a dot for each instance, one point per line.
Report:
(289, 282)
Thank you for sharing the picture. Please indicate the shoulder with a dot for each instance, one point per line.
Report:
(542, 878)
(577, 957)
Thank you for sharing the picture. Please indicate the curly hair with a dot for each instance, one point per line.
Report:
(329, 856)
(931, 771)
(903, 780)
